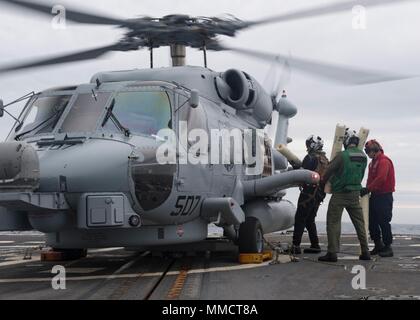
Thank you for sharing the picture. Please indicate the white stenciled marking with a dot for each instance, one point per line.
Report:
(12, 263)
(78, 270)
(22, 233)
(136, 275)
(105, 250)
(402, 237)
(18, 247)
(355, 245)
(348, 258)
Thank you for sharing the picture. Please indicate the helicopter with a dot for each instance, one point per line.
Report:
(83, 163)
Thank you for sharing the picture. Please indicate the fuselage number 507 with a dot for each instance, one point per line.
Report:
(185, 205)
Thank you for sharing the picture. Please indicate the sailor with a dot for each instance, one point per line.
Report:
(311, 196)
(380, 185)
(346, 173)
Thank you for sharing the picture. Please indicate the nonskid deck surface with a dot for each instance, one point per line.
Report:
(119, 274)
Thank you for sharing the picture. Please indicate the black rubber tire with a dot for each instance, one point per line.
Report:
(251, 236)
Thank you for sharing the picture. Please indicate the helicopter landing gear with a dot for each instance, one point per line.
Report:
(251, 237)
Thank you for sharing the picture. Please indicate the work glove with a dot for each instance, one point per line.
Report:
(364, 192)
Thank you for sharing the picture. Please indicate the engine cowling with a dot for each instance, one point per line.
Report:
(242, 92)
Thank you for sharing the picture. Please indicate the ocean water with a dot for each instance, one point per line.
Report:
(346, 228)
(406, 209)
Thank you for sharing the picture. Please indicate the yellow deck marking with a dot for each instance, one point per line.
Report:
(179, 283)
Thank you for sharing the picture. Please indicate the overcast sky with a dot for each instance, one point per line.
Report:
(390, 42)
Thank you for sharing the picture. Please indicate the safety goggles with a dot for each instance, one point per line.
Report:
(371, 149)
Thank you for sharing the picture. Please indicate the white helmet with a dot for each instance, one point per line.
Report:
(350, 137)
(314, 143)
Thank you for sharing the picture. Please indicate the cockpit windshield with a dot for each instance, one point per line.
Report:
(85, 112)
(136, 112)
(42, 115)
(142, 112)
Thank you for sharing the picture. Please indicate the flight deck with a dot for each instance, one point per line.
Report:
(114, 273)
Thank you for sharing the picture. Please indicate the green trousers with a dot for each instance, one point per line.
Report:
(350, 202)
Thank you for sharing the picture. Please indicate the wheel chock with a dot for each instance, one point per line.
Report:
(247, 258)
(62, 255)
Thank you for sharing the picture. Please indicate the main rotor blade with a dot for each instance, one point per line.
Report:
(323, 10)
(71, 15)
(78, 56)
(344, 74)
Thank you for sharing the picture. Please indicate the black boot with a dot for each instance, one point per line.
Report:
(379, 245)
(295, 250)
(365, 256)
(315, 248)
(329, 257)
(386, 252)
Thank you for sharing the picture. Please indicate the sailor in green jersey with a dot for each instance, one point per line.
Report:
(345, 174)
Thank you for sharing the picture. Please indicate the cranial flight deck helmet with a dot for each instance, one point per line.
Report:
(314, 143)
(350, 137)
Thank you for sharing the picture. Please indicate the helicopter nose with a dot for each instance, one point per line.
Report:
(92, 166)
(19, 166)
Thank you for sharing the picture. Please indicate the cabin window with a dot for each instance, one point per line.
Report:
(85, 112)
(143, 113)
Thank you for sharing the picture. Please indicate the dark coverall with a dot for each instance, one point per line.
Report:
(380, 216)
(307, 208)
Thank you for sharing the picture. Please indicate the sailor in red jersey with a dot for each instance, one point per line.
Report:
(381, 185)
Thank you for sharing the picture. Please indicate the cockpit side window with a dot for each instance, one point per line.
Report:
(85, 112)
(42, 115)
(144, 112)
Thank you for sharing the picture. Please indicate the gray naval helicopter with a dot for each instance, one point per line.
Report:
(80, 162)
